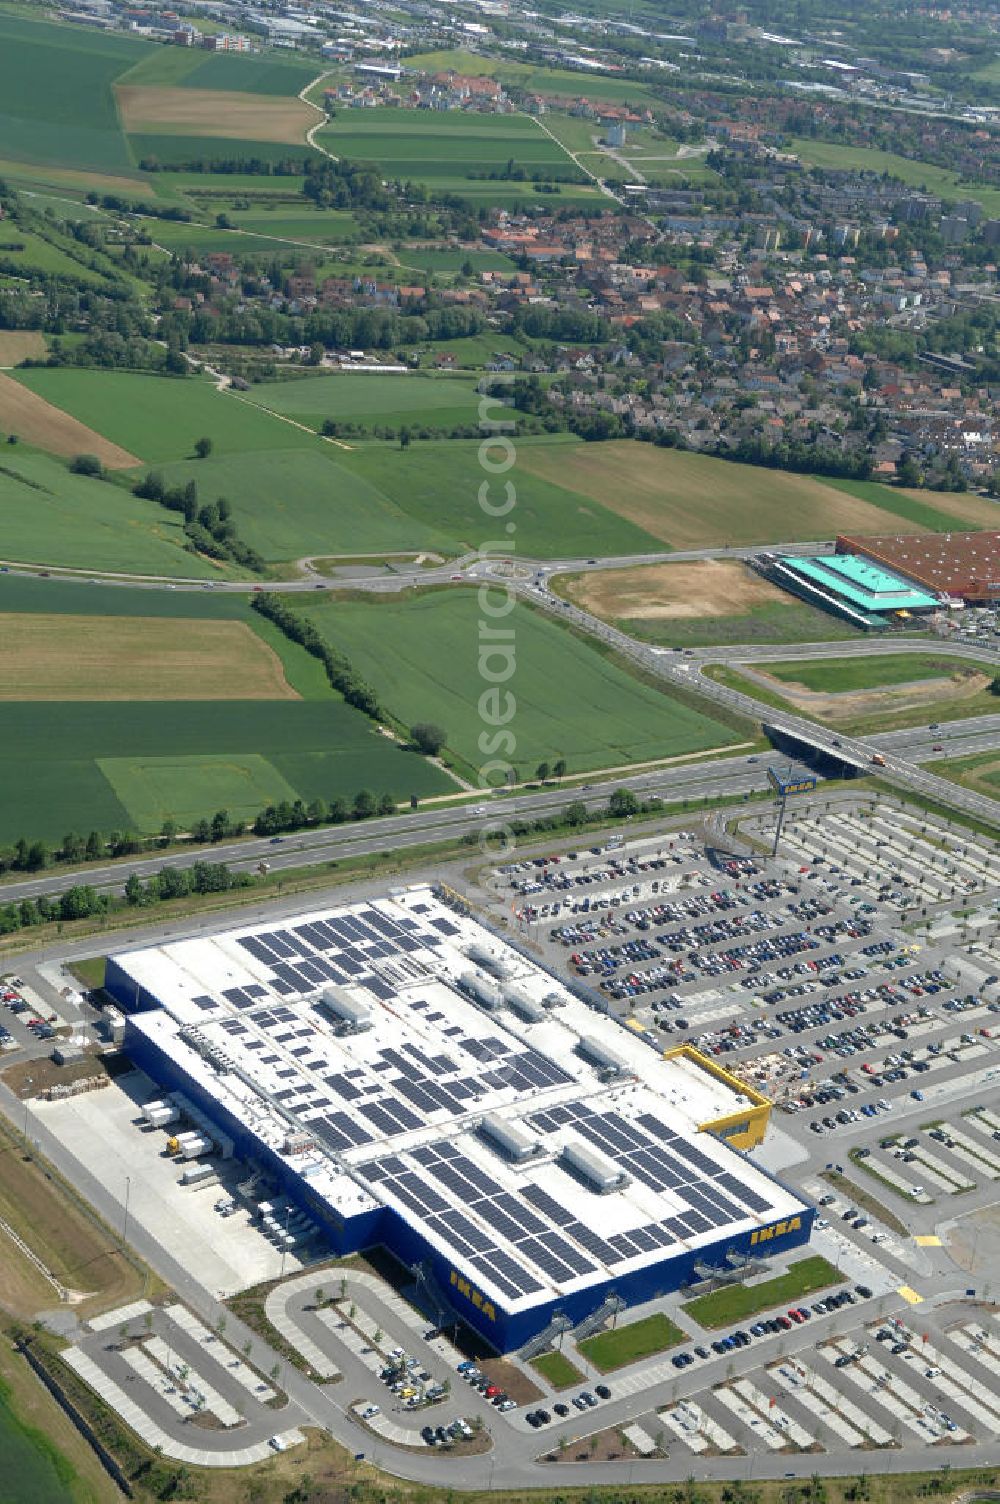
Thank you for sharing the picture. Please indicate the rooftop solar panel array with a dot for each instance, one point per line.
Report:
(432, 1066)
(339, 948)
(663, 1160)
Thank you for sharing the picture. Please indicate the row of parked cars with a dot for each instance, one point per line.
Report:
(495, 1393)
(585, 1400)
(12, 999)
(446, 1436)
(769, 1325)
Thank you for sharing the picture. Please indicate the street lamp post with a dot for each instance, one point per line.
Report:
(128, 1188)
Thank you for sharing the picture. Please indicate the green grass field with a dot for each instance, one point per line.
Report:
(179, 237)
(737, 1302)
(841, 675)
(779, 623)
(557, 1370)
(118, 766)
(153, 789)
(981, 772)
(175, 149)
(55, 518)
(437, 485)
(628, 1344)
(289, 503)
(56, 100)
(259, 230)
(693, 500)
(423, 401)
(441, 149)
(444, 261)
(937, 511)
(229, 185)
(262, 73)
(422, 655)
(25, 250)
(160, 418)
(916, 174)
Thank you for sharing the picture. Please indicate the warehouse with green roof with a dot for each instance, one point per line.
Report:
(866, 594)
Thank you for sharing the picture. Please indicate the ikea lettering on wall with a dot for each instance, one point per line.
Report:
(478, 1300)
(764, 1234)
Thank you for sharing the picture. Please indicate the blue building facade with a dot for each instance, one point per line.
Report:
(503, 1329)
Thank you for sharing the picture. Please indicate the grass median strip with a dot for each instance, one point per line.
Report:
(557, 1370)
(627, 1344)
(739, 1301)
(865, 1201)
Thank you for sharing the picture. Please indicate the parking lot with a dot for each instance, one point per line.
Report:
(183, 1387)
(878, 1042)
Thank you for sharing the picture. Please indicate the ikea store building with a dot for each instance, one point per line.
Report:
(410, 1079)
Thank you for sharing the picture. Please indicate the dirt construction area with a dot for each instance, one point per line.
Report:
(135, 658)
(39, 422)
(885, 700)
(214, 112)
(711, 587)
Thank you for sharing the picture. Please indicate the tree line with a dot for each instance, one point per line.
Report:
(209, 529)
(83, 901)
(339, 670)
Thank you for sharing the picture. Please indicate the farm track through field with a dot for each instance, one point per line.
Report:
(574, 158)
(311, 132)
(282, 417)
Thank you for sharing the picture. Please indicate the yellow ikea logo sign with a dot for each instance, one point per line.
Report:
(765, 1234)
(478, 1300)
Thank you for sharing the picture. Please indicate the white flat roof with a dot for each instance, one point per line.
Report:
(393, 1109)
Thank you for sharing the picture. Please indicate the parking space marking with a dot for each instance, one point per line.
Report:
(152, 1434)
(927, 1240)
(640, 1439)
(760, 1428)
(830, 1406)
(909, 1295)
(899, 1398)
(120, 1316)
(697, 1429)
(221, 1353)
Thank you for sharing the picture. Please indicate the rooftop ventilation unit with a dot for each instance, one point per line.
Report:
(348, 1015)
(592, 1167)
(602, 1056)
(524, 1004)
(509, 1139)
(481, 989)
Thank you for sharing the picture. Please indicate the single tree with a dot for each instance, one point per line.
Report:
(364, 805)
(203, 448)
(87, 464)
(428, 737)
(542, 772)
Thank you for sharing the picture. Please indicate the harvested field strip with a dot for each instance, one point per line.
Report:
(216, 112)
(694, 501)
(32, 418)
(66, 658)
(20, 344)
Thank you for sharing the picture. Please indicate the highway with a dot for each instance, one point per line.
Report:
(684, 671)
(721, 777)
